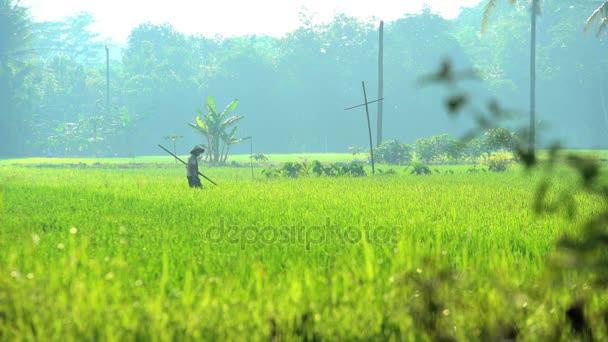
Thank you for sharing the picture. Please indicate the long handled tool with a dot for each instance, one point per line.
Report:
(183, 162)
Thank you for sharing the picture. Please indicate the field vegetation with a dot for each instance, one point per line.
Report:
(113, 253)
(451, 228)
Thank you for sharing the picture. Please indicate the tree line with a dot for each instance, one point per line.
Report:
(292, 90)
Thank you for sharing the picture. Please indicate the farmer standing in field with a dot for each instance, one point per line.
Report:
(192, 168)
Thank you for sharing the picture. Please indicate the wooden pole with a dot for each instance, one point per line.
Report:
(532, 137)
(251, 155)
(369, 128)
(361, 105)
(380, 84)
(107, 80)
(175, 149)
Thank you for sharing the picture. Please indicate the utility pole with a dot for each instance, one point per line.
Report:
(369, 126)
(107, 81)
(380, 84)
(532, 137)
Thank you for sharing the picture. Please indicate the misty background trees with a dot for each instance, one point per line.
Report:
(292, 89)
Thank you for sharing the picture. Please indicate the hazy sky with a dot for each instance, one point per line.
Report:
(116, 18)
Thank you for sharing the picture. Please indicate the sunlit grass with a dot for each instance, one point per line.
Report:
(120, 254)
(168, 159)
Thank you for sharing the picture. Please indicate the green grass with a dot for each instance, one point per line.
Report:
(243, 159)
(54, 161)
(124, 254)
(167, 159)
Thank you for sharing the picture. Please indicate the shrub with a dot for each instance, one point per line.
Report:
(289, 169)
(438, 148)
(392, 152)
(353, 170)
(387, 172)
(337, 169)
(420, 169)
(271, 173)
(294, 169)
(496, 139)
(317, 168)
(498, 162)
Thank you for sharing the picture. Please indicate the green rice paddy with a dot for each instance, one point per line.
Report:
(100, 252)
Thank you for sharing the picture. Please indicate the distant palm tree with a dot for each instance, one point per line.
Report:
(600, 14)
(218, 128)
(491, 6)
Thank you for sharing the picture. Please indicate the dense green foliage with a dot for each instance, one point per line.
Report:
(393, 152)
(441, 149)
(302, 168)
(292, 89)
(89, 253)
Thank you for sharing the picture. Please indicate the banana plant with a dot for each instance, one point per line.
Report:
(229, 140)
(219, 128)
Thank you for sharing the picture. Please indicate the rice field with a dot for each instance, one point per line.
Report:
(112, 253)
